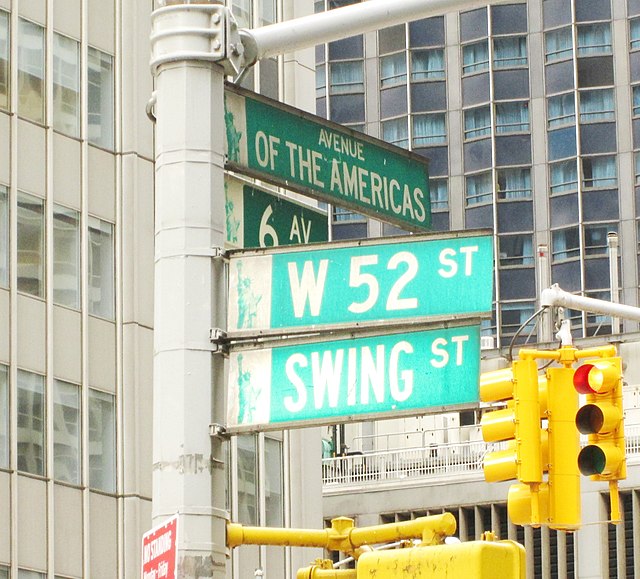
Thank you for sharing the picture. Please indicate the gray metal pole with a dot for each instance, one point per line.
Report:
(190, 298)
(612, 243)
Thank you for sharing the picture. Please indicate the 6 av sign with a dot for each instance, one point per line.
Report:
(359, 283)
(310, 155)
(256, 217)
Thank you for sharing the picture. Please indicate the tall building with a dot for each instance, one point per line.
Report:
(76, 299)
(528, 113)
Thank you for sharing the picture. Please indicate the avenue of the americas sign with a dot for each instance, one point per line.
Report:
(256, 217)
(308, 154)
(358, 283)
(326, 382)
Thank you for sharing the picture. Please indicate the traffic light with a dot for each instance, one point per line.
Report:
(602, 419)
(520, 425)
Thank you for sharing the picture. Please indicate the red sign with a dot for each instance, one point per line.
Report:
(159, 548)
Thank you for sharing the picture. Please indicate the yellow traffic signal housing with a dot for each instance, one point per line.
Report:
(477, 559)
(564, 445)
(525, 394)
(602, 419)
(518, 423)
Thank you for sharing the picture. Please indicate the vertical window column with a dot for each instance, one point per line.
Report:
(30, 244)
(66, 257)
(66, 432)
(66, 85)
(102, 441)
(4, 417)
(100, 99)
(4, 60)
(4, 237)
(31, 439)
(101, 268)
(31, 71)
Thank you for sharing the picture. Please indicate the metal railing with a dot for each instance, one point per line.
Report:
(435, 461)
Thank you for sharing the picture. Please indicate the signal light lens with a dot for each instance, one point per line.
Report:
(582, 379)
(590, 419)
(591, 460)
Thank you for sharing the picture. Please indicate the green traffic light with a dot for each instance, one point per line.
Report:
(591, 460)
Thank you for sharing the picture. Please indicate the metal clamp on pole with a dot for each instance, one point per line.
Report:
(203, 32)
(220, 341)
(219, 431)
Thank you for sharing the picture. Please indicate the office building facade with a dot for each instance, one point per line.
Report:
(76, 299)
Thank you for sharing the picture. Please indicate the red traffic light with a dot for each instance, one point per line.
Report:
(595, 378)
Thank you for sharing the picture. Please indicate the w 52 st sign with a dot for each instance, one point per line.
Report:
(351, 284)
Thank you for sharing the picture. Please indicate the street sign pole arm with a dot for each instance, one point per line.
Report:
(322, 27)
(555, 296)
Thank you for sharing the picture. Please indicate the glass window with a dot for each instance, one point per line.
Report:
(596, 105)
(321, 81)
(429, 130)
(4, 416)
(598, 172)
(594, 38)
(477, 122)
(636, 100)
(512, 117)
(563, 176)
(267, 12)
(634, 33)
(4, 572)
(31, 422)
(513, 315)
(427, 64)
(510, 51)
(100, 100)
(242, 13)
(346, 77)
(247, 480)
(101, 268)
(4, 60)
(393, 69)
(273, 491)
(565, 244)
(479, 188)
(516, 249)
(342, 215)
(396, 132)
(66, 85)
(30, 244)
(475, 57)
(4, 236)
(558, 44)
(66, 257)
(561, 110)
(595, 237)
(102, 441)
(636, 158)
(514, 183)
(31, 70)
(439, 194)
(26, 574)
(66, 432)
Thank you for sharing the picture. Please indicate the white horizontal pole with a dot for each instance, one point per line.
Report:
(322, 27)
(554, 296)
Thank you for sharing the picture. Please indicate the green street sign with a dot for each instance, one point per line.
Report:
(256, 217)
(308, 154)
(359, 283)
(388, 376)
